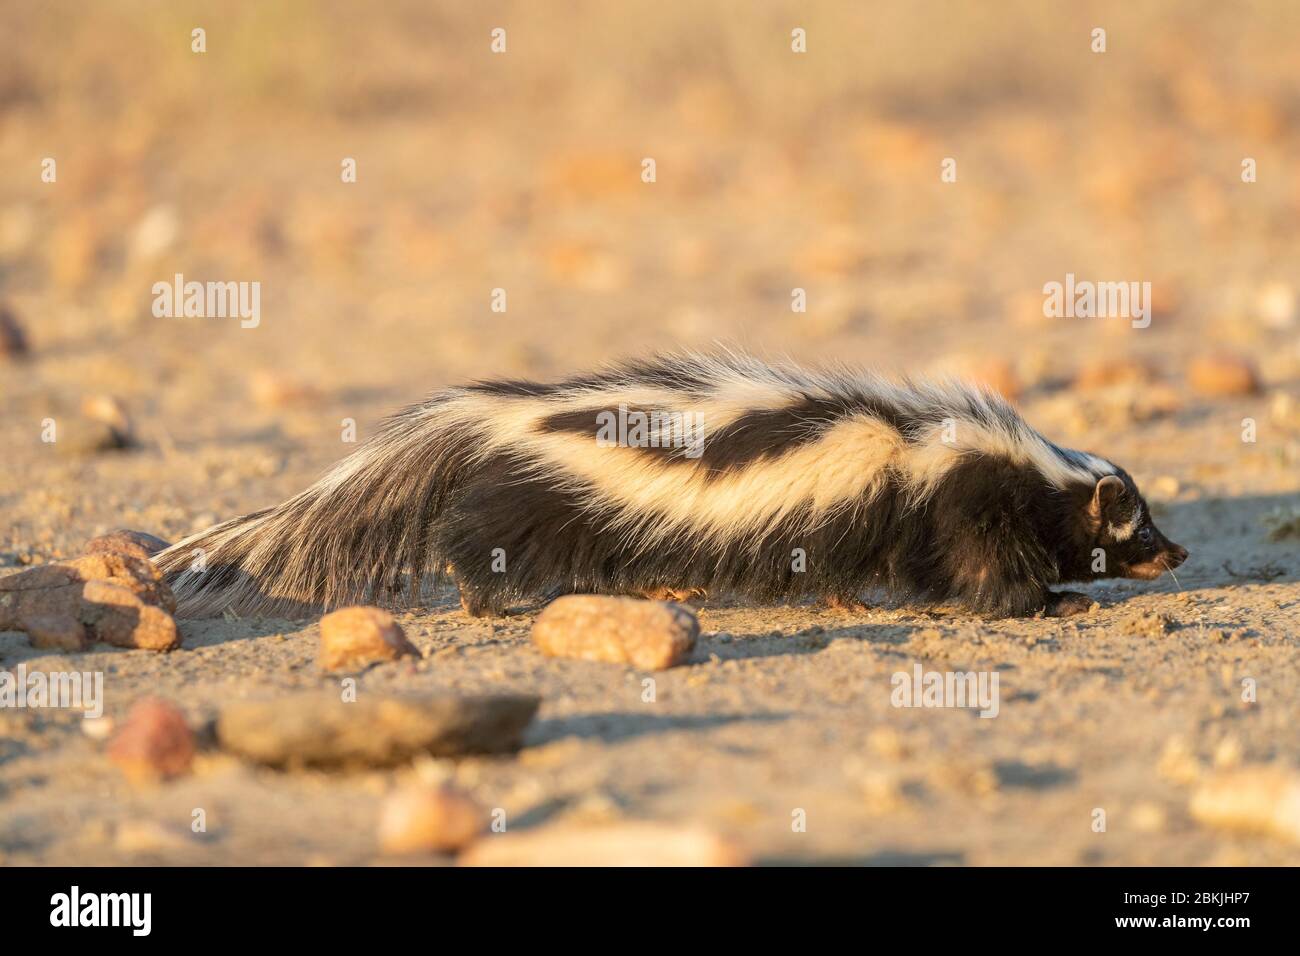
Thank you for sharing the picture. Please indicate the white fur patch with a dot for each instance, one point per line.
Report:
(1126, 530)
(649, 499)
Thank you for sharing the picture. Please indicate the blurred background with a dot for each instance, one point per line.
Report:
(522, 171)
(775, 171)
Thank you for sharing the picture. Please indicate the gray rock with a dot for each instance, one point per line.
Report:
(321, 730)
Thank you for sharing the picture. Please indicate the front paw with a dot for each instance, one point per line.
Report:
(475, 605)
(1067, 603)
(692, 596)
(845, 603)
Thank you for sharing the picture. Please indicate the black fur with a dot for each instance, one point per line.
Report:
(993, 535)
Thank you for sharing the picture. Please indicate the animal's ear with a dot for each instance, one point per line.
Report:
(1106, 497)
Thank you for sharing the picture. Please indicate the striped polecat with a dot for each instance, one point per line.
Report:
(688, 474)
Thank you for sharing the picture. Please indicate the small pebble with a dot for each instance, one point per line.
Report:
(1178, 763)
(97, 728)
(1165, 487)
(1283, 522)
(649, 635)
(1146, 624)
(1276, 305)
(997, 374)
(149, 836)
(112, 412)
(1113, 371)
(154, 743)
(100, 424)
(354, 637)
(429, 820)
(81, 436)
(13, 340)
(883, 792)
(1284, 409)
(1223, 375)
(1227, 755)
(1148, 817)
(276, 390)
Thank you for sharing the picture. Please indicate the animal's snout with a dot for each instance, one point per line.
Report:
(1175, 555)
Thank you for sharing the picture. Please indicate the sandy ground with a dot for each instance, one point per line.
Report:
(774, 173)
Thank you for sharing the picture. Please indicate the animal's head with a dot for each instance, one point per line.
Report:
(1121, 526)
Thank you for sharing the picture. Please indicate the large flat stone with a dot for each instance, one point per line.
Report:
(321, 730)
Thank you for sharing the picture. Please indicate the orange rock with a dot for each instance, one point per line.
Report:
(836, 255)
(998, 374)
(78, 435)
(61, 632)
(1114, 371)
(117, 615)
(593, 175)
(650, 635)
(110, 410)
(273, 390)
(710, 105)
(424, 819)
(154, 743)
(353, 637)
(1223, 374)
(138, 575)
(586, 265)
(1258, 118)
(136, 544)
(896, 147)
(74, 252)
(1276, 305)
(116, 598)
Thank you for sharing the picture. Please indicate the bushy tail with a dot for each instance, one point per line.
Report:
(360, 534)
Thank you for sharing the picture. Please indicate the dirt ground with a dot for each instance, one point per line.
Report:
(775, 170)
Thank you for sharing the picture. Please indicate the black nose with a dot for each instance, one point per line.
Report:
(1175, 556)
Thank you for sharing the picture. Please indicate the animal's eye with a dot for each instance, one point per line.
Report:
(1145, 535)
